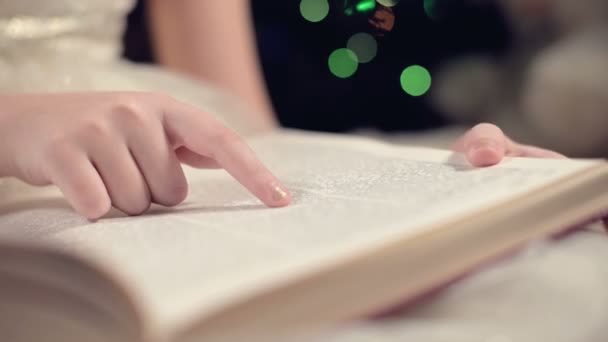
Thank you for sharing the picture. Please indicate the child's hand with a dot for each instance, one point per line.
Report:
(486, 145)
(121, 149)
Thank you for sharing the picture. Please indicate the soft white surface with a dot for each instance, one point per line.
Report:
(551, 292)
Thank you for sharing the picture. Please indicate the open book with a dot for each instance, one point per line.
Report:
(371, 226)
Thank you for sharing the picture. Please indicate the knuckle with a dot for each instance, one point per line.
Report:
(96, 129)
(222, 136)
(57, 149)
(161, 97)
(130, 109)
(153, 97)
(126, 102)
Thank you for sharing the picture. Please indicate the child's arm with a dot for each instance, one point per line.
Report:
(214, 41)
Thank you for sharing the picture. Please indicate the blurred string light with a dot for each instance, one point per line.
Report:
(314, 10)
(343, 63)
(352, 7)
(416, 80)
(364, 45)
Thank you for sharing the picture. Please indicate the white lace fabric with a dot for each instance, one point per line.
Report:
(43, 31)
(76, 45)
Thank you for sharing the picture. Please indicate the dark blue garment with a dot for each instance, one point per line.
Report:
(306, 95)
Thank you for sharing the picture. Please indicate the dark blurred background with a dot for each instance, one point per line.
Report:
(306, 95)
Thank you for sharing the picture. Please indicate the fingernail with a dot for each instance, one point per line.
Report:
(278, 192)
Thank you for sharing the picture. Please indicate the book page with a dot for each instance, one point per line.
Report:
(349, 194)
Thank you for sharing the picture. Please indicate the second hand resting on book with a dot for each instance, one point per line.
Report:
(124, 149)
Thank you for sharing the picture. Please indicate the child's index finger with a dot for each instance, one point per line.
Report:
(202, 134)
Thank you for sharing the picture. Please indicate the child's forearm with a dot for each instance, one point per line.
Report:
(214, 41)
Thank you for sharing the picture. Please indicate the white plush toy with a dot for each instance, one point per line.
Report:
(551, 89)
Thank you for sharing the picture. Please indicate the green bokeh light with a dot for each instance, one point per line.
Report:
(314, 10)
(364, 45)
(366, 5)
(416, 80)
(352, 7)
(343, 63)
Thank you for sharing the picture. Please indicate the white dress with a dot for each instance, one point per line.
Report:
(555, 292)
(75, 45)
